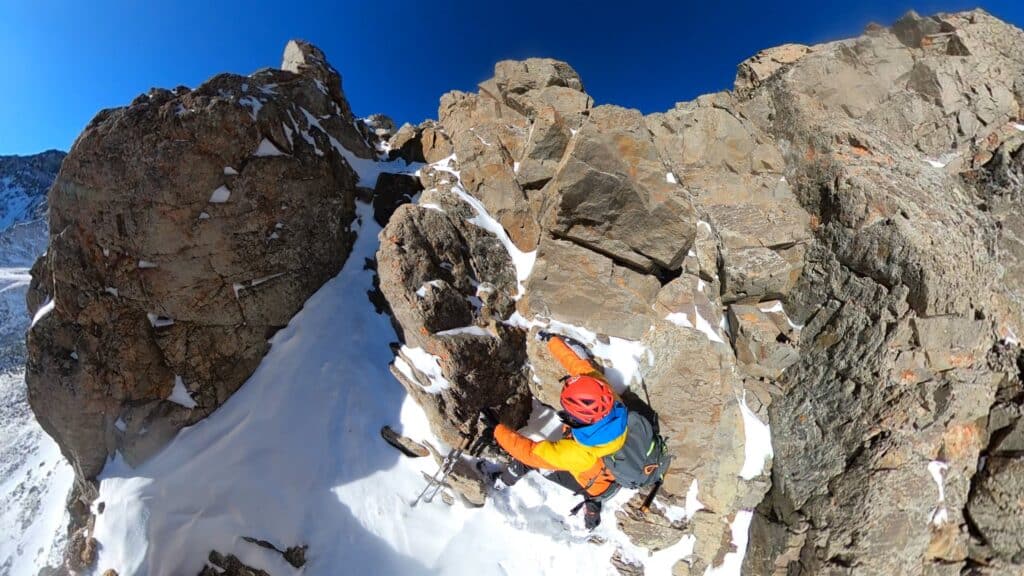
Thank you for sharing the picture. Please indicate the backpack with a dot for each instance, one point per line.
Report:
(643, 458)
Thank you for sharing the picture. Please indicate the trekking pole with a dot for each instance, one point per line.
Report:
(436, 482)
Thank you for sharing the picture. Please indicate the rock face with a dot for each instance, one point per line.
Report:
(904, 295)
(833, 247)
(184, 230)
(548, 212)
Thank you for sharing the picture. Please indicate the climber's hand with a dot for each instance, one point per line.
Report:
(544, 335)
(489, 417)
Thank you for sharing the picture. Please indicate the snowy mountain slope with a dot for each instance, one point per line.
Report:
(24, 181)
(34, 477)
(20, 245)
(34, 482)
(295, 457)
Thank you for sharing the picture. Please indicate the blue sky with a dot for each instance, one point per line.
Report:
(64, 61)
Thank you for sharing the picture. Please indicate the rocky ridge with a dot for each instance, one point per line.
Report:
(831, 247)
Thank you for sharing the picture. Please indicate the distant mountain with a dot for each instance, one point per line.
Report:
(24, 181)
(30, 462)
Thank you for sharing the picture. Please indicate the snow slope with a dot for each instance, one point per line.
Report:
(34, 481)
(34, 477)
(295, 457)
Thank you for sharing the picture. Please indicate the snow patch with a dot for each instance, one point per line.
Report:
(220, 195)
(229, 171)
(469, 330)
(427, 364)
(679, 319)
(682, 513)
(670, 178)
(158, 321)
(732, 563)
(204, 216)
(706, 328)
(757, 442)
(368, 169)
(267, 148)
(693, 505)
(179, 394)
(522, 261)
(112, 291)
(43, 311)
(422, 290)
(253, 104)
(939, 515)
(1018, 126)
(238, 287)
(146, 264)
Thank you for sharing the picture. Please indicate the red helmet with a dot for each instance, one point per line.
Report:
(587, 399)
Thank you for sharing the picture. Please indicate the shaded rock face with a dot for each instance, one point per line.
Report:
(185, 229)
(833, 247)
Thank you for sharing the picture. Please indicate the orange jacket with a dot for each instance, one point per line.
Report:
(583, 462)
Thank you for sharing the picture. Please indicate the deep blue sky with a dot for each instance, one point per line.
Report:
(63, 61)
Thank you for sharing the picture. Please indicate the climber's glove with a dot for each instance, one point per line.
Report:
(489, 417)
(544, 335)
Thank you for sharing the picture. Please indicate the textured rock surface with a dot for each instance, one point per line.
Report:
(586, 209)
(582, 287)
(869, 188)
(185, 229)
(902, 294)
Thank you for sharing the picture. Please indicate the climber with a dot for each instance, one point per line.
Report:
(596, 425)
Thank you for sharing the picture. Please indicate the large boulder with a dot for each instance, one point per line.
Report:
(448, 284)
(185, 229)
(579, 286)
(613, 194)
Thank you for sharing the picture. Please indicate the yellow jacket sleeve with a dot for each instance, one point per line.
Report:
(566, 454)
